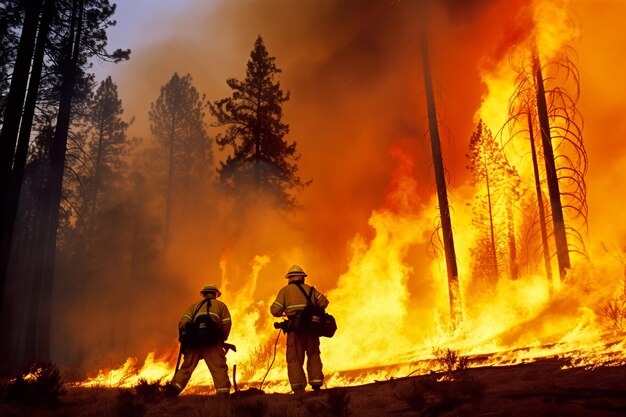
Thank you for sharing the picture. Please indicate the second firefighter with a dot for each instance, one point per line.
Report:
(291, 301)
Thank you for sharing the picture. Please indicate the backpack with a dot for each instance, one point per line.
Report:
(202, 331)
(313, 319)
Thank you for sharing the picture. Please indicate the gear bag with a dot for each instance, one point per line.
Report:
(313, 319)
(201, 331)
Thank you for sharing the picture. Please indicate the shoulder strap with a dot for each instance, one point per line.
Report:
(308, 297)
(206, 301)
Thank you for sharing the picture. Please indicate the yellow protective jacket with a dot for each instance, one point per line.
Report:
(218, 311)
(291, 300)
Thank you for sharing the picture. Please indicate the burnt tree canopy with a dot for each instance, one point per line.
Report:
(262, 158)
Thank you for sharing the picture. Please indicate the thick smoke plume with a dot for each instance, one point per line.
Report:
(354, 74)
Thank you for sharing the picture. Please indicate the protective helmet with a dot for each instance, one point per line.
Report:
(210, 288)
(295, 271)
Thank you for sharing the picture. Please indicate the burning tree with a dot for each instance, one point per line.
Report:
(498, 184)
(176, 120)
(544, 108)
(454, 289)
(262, 158)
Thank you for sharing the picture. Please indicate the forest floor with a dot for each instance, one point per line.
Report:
(541, 388)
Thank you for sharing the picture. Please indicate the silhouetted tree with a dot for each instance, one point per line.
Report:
(78, 32)
(447, 236)
(176, 120)
(10, 21)
(262, 158)
(107, 142)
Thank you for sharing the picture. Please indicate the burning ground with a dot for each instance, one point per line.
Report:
(545, 387)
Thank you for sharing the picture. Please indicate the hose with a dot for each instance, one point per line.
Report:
(271, 364)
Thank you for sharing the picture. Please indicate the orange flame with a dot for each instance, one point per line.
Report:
(390, 319)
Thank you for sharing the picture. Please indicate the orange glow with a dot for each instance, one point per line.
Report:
(388, 296)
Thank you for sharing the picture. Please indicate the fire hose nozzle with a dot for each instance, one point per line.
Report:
(282, 325)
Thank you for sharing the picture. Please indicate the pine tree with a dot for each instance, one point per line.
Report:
(176, 120)
(10, 21)
(498, 186)
(77, 33)
(262, 158)
(108, 143)
(543, 109)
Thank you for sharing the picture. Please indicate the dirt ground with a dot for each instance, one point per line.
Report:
(541, 388)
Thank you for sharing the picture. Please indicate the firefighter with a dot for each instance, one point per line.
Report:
(289, 301)
(213, 352)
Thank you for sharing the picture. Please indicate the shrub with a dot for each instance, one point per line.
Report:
(39, 385)
(149, 391)
(449, 360)
(614, 312)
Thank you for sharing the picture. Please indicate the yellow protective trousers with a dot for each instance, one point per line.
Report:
(299, 345)
(215, 359)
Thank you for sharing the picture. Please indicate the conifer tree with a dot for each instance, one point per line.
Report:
(498, 184)
(262, 158)
(107, 141)
(176, 120)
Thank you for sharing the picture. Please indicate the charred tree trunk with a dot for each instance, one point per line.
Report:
(10, 127)
(558, 221)
(454, 289)
(542, 214)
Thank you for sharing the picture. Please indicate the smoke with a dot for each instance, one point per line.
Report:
(354, 74)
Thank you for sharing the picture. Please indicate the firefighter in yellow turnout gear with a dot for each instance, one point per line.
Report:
(213, 353)
(289, 301)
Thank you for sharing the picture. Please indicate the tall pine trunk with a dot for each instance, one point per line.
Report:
(454, 290)
(542, 214)
(17, 173)
(11, 124)
(53, 189)
(560, 237)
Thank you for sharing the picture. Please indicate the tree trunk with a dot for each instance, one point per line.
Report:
(512, 244)
(17, 173)
(170, 181)
(558, 221)
(97, 173)
(542, 214)
(494, 253)
(53, 189)
(454, 289)
(10, 127)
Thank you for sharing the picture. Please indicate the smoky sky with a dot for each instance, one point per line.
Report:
(354, 74)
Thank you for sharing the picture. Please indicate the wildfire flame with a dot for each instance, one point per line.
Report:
(390, 319)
